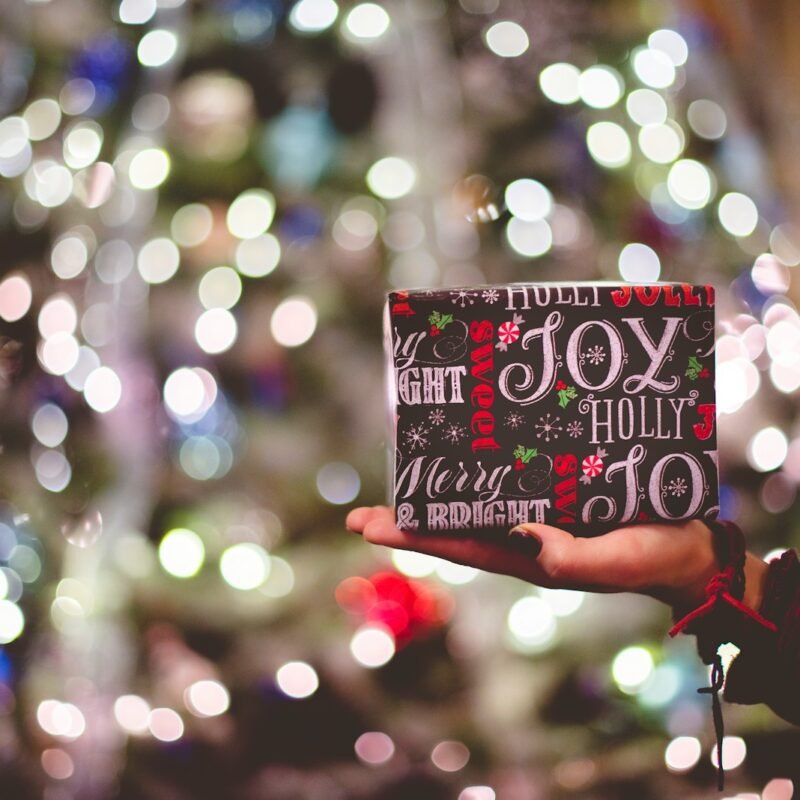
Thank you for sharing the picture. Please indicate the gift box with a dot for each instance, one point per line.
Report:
(587, 406)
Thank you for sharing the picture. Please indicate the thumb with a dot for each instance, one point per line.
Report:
(565, 561)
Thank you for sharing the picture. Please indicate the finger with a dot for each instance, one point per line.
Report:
(359, 517)
(621, 560)
(492, 556)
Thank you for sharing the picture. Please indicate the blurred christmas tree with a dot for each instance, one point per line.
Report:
(203, 203)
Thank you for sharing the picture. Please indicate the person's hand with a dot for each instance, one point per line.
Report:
(671, 562)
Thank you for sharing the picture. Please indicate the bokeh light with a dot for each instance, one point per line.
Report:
(600, 86)
(682, 753)
(690, 184)
(737, 214)
(391, 177)
(507, 39)
(293, 321)
(165, 724)
(632, 668)
(102, 389)
(734, 752)
(707, 119)
(639, 262)
(338, 483)
(191, 224)
(181, 553)
(207, 698)
(767, 449)
(50, 425)
(374, 747)
(372, 646)
(531, 622)
(132, 714)
(157, 47)
(297, 679)
(15, 297)
(367, 21)
(450, 756)
(12, 621)
(158, 260)
(251, 213)
(220, 287)
(258, 256)
(244, 566)
(609, 144)
(149, 168)
(559, 83)
(313, 16)
(216, 330)
(529, 239)
(646, 107)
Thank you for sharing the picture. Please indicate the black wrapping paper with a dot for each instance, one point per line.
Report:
(585, 405)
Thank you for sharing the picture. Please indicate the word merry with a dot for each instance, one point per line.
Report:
(438, 478)
(497, 513)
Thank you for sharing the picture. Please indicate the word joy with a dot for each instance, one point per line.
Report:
(519, 382)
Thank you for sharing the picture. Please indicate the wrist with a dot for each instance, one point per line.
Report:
(755, 575)
(693, 570)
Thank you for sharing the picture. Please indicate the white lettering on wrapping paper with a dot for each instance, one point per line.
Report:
(697, 483)
(615, 349)
(438, 478)
(548, 361)
(629, 468)
(659, 353)
(405, 350)
(427, 385)
(458, 515)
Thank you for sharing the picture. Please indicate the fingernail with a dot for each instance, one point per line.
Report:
(525, 541)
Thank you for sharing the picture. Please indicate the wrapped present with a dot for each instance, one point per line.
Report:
(582, 405)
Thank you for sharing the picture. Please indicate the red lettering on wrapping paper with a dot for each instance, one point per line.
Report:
(482, 395)
(621, 296)
(482, 331)
(647, 295)
(709, 294)
(670, 298)
(565, 466)
(704, 429)
(401, 307)
(689, 297)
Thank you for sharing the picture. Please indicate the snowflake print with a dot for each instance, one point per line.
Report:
(676, 487)
(463, 297)
(454, 433)
(514, 420)
(490, 295)
(548, 427)
(595, 355)
(417, 437)
(575, 428)
(436, 416)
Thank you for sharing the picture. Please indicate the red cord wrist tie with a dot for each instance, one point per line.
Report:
(723, 592)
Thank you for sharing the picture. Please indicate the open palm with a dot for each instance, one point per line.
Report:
(671, 562)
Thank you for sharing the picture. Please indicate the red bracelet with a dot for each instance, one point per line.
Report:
(723, 617)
